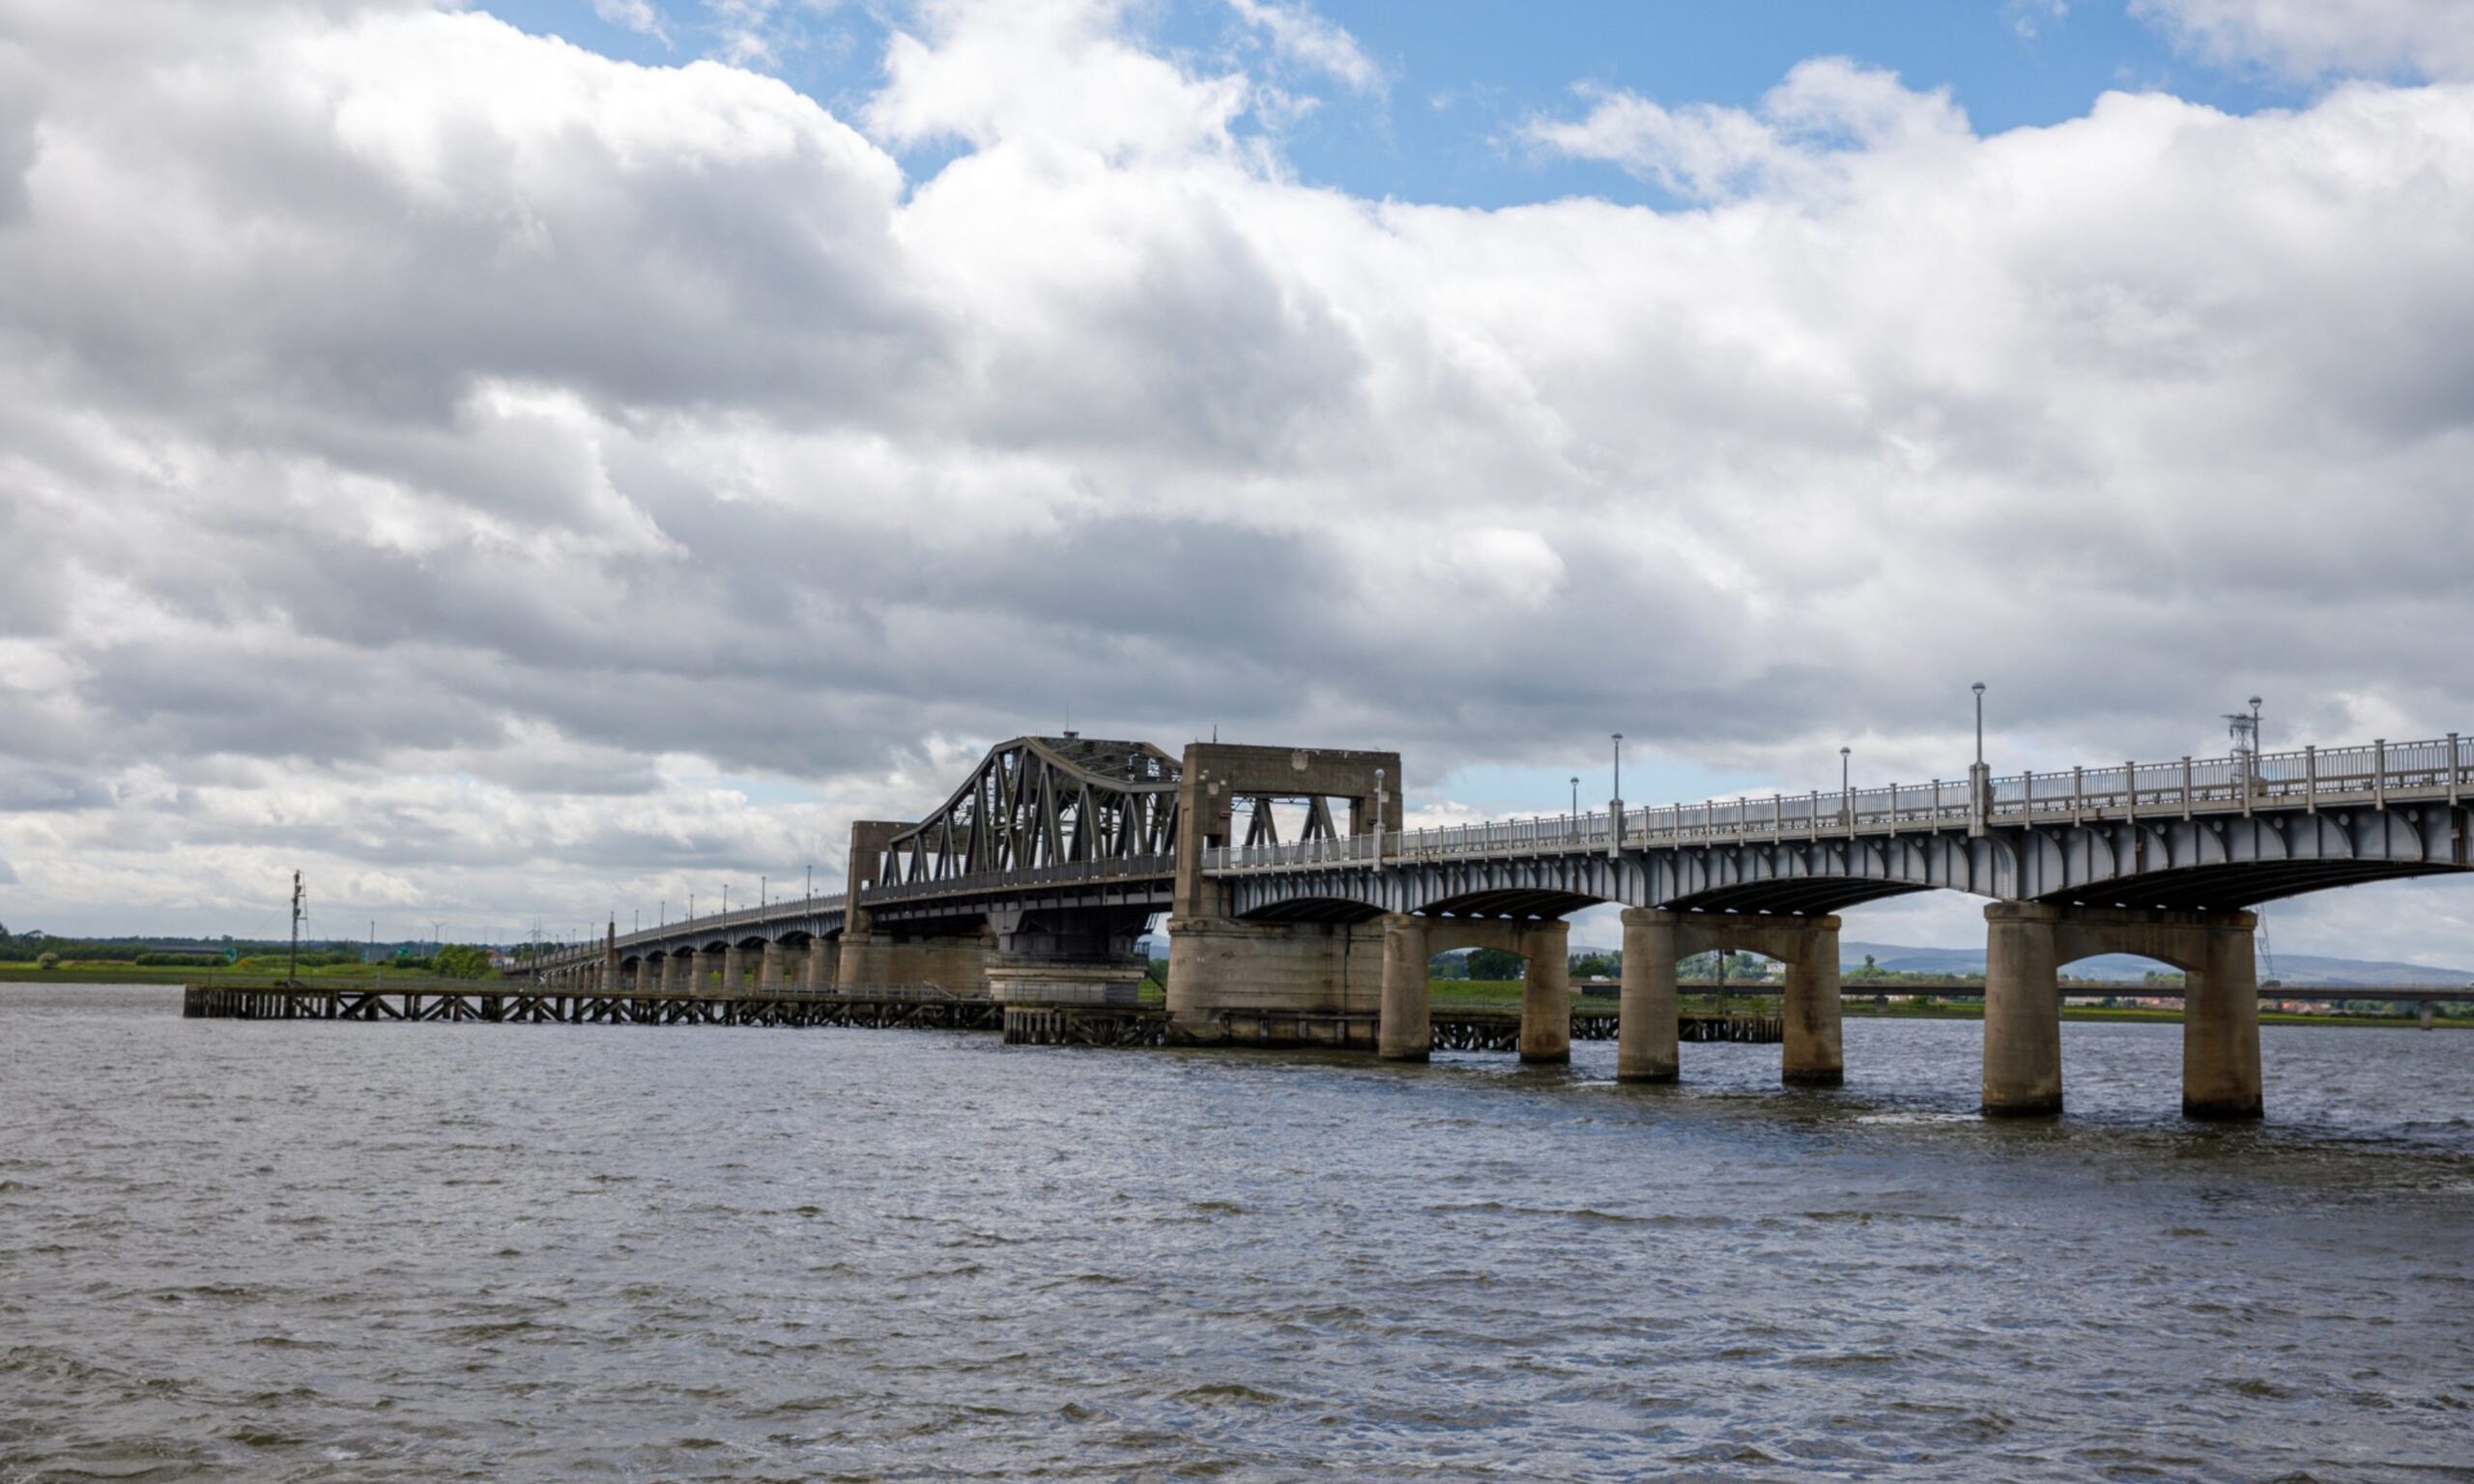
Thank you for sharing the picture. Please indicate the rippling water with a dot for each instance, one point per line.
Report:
(313, 1251)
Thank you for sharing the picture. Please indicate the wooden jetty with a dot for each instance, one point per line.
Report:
(514, 1003)
(520, 1002)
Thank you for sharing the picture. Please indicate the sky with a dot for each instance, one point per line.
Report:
(533, 462)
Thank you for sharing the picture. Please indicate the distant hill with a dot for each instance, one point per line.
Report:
(2291, 968)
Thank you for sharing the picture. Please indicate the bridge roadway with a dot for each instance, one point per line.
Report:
(1033, 882)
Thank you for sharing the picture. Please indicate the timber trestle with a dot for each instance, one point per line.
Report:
(514, 1004)
(1029, 1025)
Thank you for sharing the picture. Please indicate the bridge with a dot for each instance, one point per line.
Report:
(1034, 881)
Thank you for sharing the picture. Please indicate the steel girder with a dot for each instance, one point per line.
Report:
(1038, 802)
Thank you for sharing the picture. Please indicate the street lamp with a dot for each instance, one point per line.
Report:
(1576, 795)
(1845, 795)
(1978, 688)
(2258, 744)
(1619, 765)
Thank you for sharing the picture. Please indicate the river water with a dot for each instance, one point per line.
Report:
(339, 1251)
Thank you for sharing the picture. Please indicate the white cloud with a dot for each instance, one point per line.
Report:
(489, 473)
(1300, 36)
(637, 15)
(2315, 37)
(1795, 141)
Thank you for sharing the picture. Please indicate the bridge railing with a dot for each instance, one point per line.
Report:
(713, 921)
(2304, 778)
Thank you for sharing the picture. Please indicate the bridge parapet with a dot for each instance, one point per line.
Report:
(2378, 773)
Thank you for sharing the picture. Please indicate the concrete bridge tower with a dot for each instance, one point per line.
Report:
(1312, 973)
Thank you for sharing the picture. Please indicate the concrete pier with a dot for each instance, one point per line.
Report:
(768, 972)
(1406, 1032)
(1546, 993)
(1654, 940)
(1814, 1055)
(1648, 1047)
(2026, 945)
(2021, 1011)
(1266, 981)
(2220, 1025)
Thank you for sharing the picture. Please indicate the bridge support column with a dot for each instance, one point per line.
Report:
(700, 972)
(1276, 983)
(1406, 1031)
(816, 973)
(733, 971)
(674, 974)
(2022, 1010)
(861, 964)
(2026, 946)
(1546, 993)
(1646, 1046)
(769, 973)
(2220, 1025)
(1814, 1054)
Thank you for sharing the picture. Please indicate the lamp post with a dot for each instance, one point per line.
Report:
(1846, 794)
(1576, 797)
(1979, 777)
(2258, 743)
(1619, 765)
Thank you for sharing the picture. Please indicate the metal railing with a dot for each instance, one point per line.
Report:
(711, 921)
(1128, 868)
(2305, 778)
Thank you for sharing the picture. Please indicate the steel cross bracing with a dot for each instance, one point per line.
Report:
(1038, 814)
(1038, 803)
(2189, 833)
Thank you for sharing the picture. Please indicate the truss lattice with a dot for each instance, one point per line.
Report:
(1037, 802)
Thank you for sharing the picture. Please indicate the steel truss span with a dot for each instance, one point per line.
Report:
(1040, 803)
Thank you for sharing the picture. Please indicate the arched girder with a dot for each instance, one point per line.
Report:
(1806, 897)
(1315, 909)
(2232, 886)
(1520, 902)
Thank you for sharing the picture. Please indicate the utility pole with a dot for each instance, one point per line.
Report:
(292, 967)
